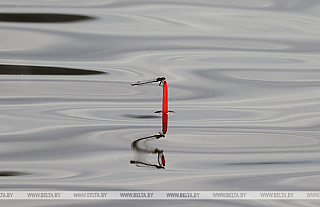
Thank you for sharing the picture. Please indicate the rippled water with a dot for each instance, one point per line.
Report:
(244, 83)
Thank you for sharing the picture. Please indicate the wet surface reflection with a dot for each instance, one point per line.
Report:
(42, 17)
(141, 149)
(43, 70)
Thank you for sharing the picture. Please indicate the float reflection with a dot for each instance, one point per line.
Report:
(142, 149)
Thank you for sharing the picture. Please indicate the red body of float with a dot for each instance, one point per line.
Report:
(165, 98)
(163, 160)
(164, 123)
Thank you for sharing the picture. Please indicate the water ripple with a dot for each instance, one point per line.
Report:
(243, 81)
(41, 18)
(43, 70)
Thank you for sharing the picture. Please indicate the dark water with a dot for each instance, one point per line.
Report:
(244, 82)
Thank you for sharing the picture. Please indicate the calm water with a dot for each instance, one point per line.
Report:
(244, 83)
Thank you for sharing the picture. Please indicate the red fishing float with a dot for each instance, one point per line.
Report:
(161, 159)
(165, 98)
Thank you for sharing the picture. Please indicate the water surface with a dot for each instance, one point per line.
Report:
(244, 83)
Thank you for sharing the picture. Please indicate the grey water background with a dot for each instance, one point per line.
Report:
(244, 82)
